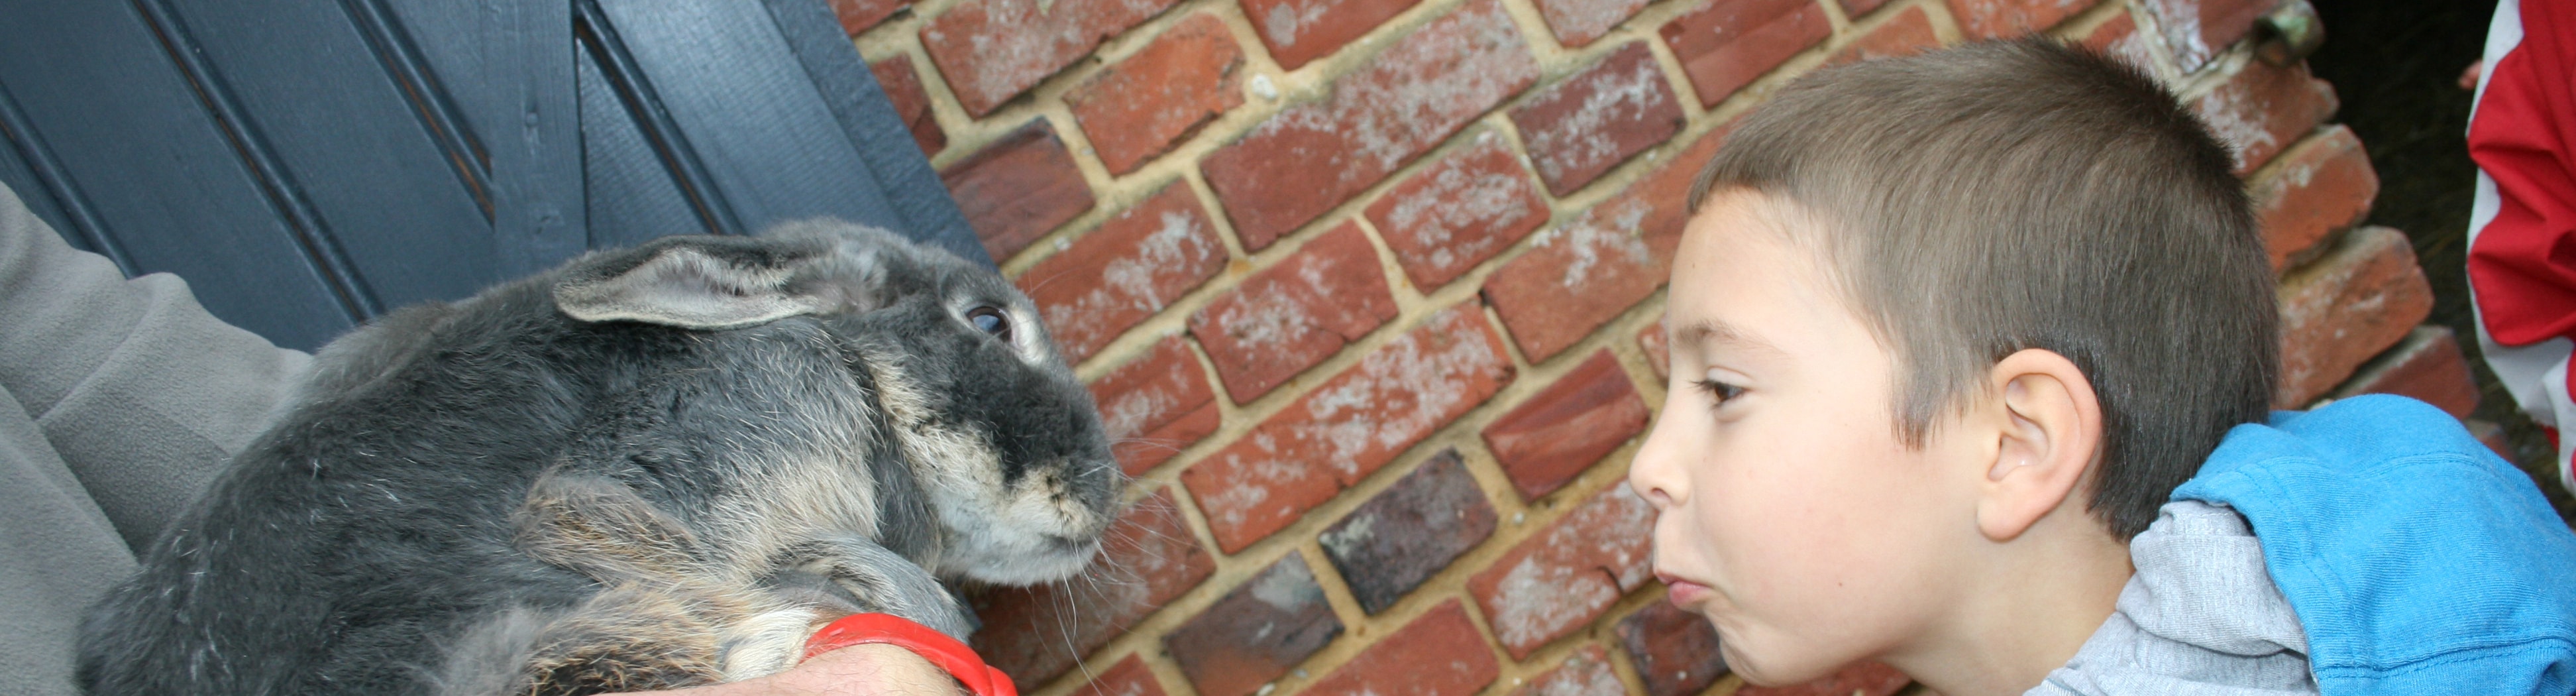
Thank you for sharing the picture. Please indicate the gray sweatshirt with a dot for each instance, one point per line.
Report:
(118, 400)
(2200, 618)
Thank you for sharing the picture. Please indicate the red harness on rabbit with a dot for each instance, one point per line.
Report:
(954, 657)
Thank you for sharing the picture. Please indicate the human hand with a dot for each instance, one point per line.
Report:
(860, 670)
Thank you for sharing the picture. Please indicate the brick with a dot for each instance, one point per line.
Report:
(1292, 315)
(1256, 632)
(1597, 118)
(1311, 157)
(2199, 29)
(1583, 273)
(1561, 431)
(1155, 406)
(992, 50)
(1130, 677)
(1457, 212)
(1560, 579)
(1349, 426)
(911, 104)
(1856, 8)
(1994, 19)
(1675, 651)
(2365, 295)
(859, 15)
(2427, 366)
(1036, 633)
(1125, 271)
(1018, 188)
(1576, 23)
(1587, 672)
(2264, 108)
(1908, 34)
(1297, 31)
(1863, 679)
(2323, 184)
(2119, 38)
(1659, 354)
(1139, 108)
(1439, 654)
(1725, 44)
(1409, 532)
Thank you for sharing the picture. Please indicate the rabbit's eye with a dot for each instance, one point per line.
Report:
(992, 321)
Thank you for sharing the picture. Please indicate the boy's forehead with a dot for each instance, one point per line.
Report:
(1740, 283)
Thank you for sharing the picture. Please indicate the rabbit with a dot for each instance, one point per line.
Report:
(655, 467)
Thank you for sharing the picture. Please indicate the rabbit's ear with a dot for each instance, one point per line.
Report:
(688, 287)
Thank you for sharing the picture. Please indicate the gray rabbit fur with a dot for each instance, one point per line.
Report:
(650, 468)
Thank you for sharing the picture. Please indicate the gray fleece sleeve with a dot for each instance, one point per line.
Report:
(139, 390)
(118, 400)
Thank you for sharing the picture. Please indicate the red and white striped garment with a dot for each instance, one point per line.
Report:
(2522, 232)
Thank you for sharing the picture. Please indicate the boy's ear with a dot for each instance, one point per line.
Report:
(2051, 428)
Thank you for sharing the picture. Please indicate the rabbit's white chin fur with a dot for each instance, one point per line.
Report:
(1038, 536)
(1024, 567)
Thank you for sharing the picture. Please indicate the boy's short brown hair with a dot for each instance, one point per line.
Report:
(1999, 196)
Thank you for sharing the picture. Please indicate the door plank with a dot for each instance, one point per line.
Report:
(770, 145)
(318, 98)
(894, 161)
(506, 66)
(632, 197)
(163, 176)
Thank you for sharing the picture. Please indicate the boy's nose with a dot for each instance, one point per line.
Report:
(1656, 472)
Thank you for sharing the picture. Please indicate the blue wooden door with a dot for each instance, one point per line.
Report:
(308, 164)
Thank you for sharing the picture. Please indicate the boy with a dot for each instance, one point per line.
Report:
(1971, 354)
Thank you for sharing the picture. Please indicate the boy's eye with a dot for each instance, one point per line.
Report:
(1718, 391)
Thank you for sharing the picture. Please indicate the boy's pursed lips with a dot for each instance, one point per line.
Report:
(1682, 593)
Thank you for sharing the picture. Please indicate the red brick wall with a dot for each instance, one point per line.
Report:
(1371, 290)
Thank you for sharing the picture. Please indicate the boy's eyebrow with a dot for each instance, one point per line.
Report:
(1710, 331)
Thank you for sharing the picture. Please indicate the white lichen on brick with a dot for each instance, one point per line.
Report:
(2181, 22)
(1352, 533)
(1178, 244)
(1397, 395)
(2238, 119)
(1583, 674)
(1288, 587)
(1457, 199)
(1127, 415)
(1230, 505)
(1427, 85)
(1578, 22)
(1402, 391)
(1021, 42)
(1265, 317)
(1581, 565)
(1583, 140)
(1589, 242)
(1535, 601)
(2292, 175)
(1132, 284)
(1279, 25)
(2016, 17)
